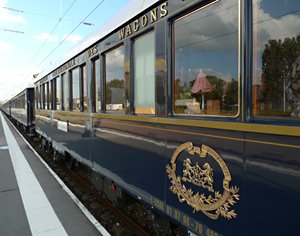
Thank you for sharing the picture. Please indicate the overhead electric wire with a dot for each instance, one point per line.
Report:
(70, 33)
(49, 36)
(12, 31)
(59, 20)
(12, 9)
(42, 15)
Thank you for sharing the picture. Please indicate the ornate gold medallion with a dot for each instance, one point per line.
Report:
(216, 204)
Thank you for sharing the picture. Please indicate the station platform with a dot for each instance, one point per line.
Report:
(33, 201)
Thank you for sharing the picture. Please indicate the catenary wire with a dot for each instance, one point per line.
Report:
(42, 15)
(54, 28)
(69, 34)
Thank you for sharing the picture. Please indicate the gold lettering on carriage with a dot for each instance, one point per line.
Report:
(64, 67)
(145, 20)
(211, 202)
(91, 51)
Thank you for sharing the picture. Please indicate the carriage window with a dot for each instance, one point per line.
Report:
(47, 96)
(41, 103)
(96, 77)
(276, 59)
(85, 88)
(114, 75)
(37, 97)
(58, 93)
(50, 95)
(75, 90)
(144, 74)
(205, 47)
(66, 93)
(53, 94)
(44, 95)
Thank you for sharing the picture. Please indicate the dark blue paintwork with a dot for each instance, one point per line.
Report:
(133, 151)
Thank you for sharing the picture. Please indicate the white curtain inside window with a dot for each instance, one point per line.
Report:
(144, 74)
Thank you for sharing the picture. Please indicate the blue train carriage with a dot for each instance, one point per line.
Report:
(193, 107)
(21, 108)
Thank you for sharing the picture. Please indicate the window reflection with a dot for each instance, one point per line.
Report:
(58, 93)
(206, 61)
(50, 95)
(53, 94)
(46, 95)
(115, 93)
(85, 88)
(66, 93)
(41, 97)
(96, 76)
(276, 60)
(75, 90)
(37, 95)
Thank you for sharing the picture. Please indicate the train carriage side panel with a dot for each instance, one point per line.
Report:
(211, 148)
(21, 107)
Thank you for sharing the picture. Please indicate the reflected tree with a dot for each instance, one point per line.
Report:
(277, 60)
(231, 93)
(218, 88)
(115, 83)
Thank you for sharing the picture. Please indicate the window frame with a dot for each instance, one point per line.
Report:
(144, 33)
(43, 96)
(57, 94)
(53, 94)
(65, 77)
(83, 88)
(93, 89)
(47, 99)
(239, 115)
(103, 56)
(37, 96)
(72, 88)
(255, 115)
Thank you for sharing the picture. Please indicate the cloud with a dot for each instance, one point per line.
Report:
(7, 16)
(114, 58)
(13, 80)
(46, 36)
(11, 83)
(275, 27)
(73, 38)
(5, 48)
(213, 29)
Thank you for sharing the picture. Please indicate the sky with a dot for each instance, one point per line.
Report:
(35, 34)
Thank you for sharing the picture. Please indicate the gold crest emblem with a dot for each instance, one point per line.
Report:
(216, 204)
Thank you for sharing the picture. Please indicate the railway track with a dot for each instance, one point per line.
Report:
(134, 219)
(126, 220)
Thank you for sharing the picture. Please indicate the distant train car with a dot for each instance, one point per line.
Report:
(21, 108)
(6, 108)
(192, 107)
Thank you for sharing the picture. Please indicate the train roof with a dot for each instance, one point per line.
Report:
(18, 94)
(22, 92)
(132, 9)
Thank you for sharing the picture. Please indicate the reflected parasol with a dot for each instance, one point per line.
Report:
(201, 85)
